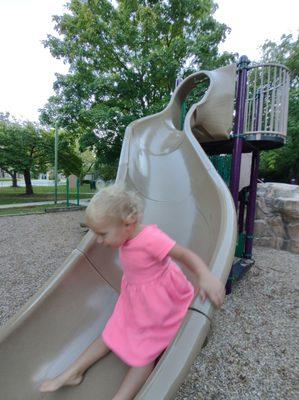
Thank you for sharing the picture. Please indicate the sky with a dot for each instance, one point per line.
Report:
(27, 69)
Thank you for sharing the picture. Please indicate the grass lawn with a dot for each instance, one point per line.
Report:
(10, 195)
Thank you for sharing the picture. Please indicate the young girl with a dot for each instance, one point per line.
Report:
(155, 294)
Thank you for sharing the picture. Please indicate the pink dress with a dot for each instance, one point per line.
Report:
(154, 298)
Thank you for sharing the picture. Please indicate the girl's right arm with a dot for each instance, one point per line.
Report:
(210, 286)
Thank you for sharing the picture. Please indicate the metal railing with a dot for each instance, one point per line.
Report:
(266, 106)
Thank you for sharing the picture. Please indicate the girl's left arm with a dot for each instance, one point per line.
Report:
(209, 285)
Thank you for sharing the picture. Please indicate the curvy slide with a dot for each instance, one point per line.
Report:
(184, 196)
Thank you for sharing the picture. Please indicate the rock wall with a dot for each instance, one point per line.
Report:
(277, 216)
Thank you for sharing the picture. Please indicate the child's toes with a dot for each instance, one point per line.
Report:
(51, 385)
(47, 386)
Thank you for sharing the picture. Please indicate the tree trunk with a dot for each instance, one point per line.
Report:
(14, 179)
(27, 177)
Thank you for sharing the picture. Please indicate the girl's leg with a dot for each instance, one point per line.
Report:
(73, 375)
(133, 381)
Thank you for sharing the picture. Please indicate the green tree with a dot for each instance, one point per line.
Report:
(4, 159)
(123, 61)
(27, 149)
(283, 164)
(69, 158)
(88, 160)
(21, 150)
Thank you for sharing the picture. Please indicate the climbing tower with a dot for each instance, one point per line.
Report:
(260, 123)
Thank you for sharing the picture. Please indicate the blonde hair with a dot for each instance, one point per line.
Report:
(115, 202)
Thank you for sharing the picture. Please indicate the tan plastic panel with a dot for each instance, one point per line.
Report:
(185, 196)
(104, 260)
(212, 118)
(175, 364)
(51, 333)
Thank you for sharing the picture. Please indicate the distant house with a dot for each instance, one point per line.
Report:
(47, 175)
(4, 174)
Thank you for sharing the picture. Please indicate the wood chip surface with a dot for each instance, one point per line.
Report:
(252, 349)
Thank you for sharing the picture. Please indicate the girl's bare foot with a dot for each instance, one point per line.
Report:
(75, 372)
(65, 379)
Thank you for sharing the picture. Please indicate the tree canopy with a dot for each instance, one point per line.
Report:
(283, 164)
(124, 61)
(28, 149)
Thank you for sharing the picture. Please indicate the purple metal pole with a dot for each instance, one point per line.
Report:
(251, 204)
(238, 141)
(178, 81)
(241, 211)
(238, 129)
(252, 187)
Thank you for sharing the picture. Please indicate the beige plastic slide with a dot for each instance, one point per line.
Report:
(186, 197)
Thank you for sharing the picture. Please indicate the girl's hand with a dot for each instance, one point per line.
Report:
(211, 287)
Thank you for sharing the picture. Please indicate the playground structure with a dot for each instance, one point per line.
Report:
(186, 197)
(260, 124)
(72, 183)
(70, 190)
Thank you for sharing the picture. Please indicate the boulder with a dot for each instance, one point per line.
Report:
(277, 216)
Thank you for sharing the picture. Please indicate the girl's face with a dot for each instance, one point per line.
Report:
(112, 233)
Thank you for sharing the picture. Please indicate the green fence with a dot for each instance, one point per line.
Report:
(222, 164)
(44, 192)
(75, 193)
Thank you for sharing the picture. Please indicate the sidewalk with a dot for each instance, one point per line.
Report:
(83, 202)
